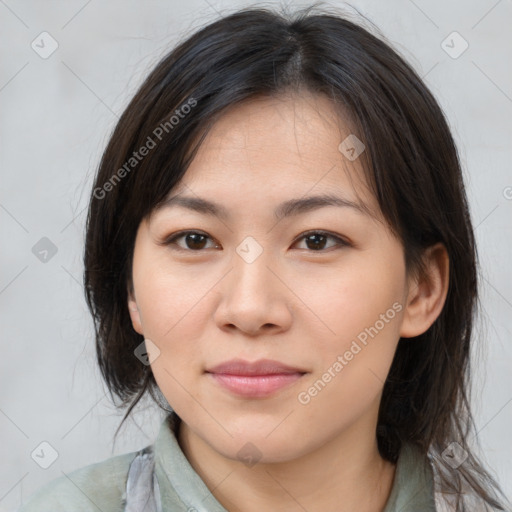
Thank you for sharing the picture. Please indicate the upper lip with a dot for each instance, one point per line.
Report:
(260, 367)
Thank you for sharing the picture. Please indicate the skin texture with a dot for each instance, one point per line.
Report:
(294, 303)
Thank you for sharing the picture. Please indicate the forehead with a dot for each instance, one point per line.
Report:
(289, 143)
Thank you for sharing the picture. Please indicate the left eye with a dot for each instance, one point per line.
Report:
(195, 240)
(317, 239)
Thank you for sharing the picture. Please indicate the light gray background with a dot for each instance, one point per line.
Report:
(56, 115)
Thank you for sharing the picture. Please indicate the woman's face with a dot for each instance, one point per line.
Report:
(254, 287)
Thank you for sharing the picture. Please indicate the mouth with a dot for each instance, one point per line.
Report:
(258, 379)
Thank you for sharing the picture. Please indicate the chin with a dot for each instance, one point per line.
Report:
(258, 452)
(252, 446)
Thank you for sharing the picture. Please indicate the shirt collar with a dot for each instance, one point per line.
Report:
(412, 487)
(176, 477)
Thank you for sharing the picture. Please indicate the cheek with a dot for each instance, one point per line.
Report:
(168, 296)
(360, 311)
(175, 318)
(351, 366)
(346, 302)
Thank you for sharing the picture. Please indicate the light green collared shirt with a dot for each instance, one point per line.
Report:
(102, 486)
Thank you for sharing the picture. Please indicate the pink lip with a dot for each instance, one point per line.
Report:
(255, 380)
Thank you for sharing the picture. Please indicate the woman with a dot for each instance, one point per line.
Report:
(279, 246)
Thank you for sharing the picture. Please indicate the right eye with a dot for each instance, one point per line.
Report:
(194, 240)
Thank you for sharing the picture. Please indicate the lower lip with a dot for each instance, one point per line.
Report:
(256, 386)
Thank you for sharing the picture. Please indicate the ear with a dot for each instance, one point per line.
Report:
(427, 293)
(134, 311)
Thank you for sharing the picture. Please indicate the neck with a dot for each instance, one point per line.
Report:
(345, 474)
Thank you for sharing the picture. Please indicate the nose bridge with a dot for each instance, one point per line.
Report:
(251, 273)
(250, 293)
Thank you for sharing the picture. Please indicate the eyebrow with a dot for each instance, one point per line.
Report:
(286, 209)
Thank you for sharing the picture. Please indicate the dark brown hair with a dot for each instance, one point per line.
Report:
(411, 164)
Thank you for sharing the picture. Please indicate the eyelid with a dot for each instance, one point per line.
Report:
(340, 240)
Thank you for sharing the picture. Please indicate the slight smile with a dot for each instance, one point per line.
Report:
(258, 379)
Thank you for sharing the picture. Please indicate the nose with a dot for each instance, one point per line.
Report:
(254, 298)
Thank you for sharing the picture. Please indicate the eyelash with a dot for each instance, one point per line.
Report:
(171, 240)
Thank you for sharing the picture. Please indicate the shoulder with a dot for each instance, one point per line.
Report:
(97, 487)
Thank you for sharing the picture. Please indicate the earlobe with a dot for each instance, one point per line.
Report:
(134, 313)
(427, 293)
